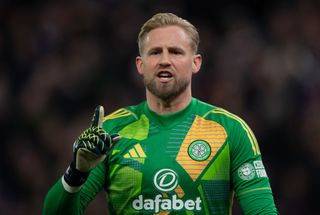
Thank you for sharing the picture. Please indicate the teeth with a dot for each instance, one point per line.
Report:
(164, 75)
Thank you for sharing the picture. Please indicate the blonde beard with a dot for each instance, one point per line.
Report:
(167, 93)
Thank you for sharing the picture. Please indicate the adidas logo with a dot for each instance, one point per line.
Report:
(135, 152)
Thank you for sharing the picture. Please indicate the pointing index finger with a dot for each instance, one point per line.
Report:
(98, 116)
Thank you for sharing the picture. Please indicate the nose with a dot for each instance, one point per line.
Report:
(165, 59)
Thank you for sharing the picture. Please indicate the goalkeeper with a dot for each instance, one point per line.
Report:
(170, 154)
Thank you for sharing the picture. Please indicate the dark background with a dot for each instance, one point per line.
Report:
(59, 59)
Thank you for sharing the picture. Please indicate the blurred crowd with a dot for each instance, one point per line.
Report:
(59, 59)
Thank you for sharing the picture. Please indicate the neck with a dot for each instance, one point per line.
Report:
(161, 106)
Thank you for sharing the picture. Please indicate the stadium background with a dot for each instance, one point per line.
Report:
(58, 59)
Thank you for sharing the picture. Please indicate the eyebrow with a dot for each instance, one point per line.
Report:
(174, 48)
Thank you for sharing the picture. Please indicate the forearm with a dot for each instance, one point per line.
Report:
(59, 201)
(257, 202)
(85, 176)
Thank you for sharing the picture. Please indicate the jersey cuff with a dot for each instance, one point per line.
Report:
(68, 188)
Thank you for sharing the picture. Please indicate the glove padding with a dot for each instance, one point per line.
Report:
(89, 149)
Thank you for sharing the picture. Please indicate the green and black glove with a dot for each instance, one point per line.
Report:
(89, 150)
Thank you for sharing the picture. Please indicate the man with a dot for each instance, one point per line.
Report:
(176, 155)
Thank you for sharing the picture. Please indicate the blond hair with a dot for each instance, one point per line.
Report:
(167, 19)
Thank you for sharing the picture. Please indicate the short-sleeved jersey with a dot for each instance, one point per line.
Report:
(190, 162)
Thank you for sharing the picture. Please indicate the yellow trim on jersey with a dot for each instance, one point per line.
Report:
(253, 190)
(135, 152)
(179, 191)
(140, 150)
(122, 112)
(252, 138)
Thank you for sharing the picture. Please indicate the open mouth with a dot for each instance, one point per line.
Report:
(165, 75)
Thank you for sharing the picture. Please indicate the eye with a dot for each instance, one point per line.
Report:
(154, 52)
(176, 52)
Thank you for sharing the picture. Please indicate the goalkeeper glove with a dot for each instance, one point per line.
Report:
(89, 150)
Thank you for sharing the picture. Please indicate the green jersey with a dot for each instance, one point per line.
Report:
(189, 162)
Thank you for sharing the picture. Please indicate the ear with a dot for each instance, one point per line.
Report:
(139, 64)
(196, 63)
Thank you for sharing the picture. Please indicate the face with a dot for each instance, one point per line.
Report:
(168, 62)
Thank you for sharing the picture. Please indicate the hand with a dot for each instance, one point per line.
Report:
(89, 149)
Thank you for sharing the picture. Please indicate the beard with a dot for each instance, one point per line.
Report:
(166, 92)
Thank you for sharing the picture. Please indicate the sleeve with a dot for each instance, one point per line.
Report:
(249, 178)
(60, 201)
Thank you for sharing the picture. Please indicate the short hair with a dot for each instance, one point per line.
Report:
(168, 19)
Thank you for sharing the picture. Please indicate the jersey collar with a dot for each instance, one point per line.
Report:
(172, 119)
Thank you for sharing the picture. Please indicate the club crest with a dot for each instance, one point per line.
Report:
(199, 150)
